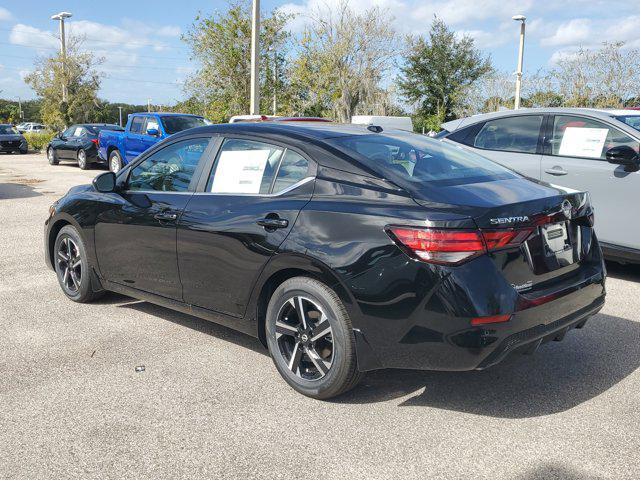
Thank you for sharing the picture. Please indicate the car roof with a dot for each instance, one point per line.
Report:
(168, 114)
(317, 130)
(602, 113)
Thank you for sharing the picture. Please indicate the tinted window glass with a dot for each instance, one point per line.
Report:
(176, 123)
(631, 120)
(587, 138)
(170, 169)
(78, 132)
(136, 124)
(418, 162)
(69, 132)
(7, 130)
(511, 134)
(244, 166)
(293, 168)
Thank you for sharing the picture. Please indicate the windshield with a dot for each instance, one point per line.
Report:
(631, 120)
(177, 123)
(416, 161)
(8, 130)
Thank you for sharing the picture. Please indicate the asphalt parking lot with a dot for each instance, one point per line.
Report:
(210, 404)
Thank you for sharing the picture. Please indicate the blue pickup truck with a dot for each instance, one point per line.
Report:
(143, 130)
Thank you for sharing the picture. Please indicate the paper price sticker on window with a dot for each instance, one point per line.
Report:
(583, 142)
(240, 171)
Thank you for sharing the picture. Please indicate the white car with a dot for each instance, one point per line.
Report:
(584, 149)
(30, 127)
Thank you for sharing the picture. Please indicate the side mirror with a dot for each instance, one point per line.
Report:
(105, 182)
(153, 132)
(624, 155)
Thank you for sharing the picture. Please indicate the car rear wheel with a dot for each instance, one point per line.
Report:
(115, 162)
(52, 156)
(71, 265)
(82, 159)
(310, 339)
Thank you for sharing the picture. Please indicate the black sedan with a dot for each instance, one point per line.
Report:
(343, 248)
(78, 143)
(11, 140)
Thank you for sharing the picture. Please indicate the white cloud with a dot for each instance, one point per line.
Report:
(5, 15)
(573, 32)
(27, 35)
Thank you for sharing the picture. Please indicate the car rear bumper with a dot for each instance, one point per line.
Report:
(451, 344)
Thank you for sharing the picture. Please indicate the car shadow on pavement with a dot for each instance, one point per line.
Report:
(12, 191)
(554, 470)
(559, 376)
(627, 271)
(195, 323)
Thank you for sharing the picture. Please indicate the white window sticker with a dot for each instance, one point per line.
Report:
(583, 142)
(240, 171)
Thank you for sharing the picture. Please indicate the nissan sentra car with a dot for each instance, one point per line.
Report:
(343, 248)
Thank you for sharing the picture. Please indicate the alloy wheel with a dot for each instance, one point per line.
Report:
(82, 158)
(50, 154)
(69, 264)
(115, 164)
(305, 338)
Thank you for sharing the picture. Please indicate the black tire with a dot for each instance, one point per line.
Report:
(24, 152)
(52, 156)
(72, 266)
(115, 161)
(317, 375)
(83, 162)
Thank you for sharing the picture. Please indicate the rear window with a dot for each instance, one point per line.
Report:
(416, 162)
(177, 123)
(98, 128)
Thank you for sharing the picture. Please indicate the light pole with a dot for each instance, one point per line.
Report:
(255, 58)
(63, 50)
(120, 115)
(275, 79)
(522, 19)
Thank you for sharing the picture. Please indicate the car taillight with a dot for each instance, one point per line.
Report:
(96, 141)
(489, 320)
(452, 247)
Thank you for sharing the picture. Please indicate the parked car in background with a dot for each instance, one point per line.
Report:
(143, 130)
(341, 249)
(31, 127)
(11, 140)
(78, 143)
(385, 122)
(271, 118)
(584, 149)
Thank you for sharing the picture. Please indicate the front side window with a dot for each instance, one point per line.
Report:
(177, 123)
(244, 166)
(136, 124)
(170, 169)
(512, 134)
(68, 132)
(586, 138)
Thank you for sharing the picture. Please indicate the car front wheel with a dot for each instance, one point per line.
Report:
(310, 339)
(72, 267)
(52, 156)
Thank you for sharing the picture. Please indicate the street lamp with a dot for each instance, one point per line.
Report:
(272, 48)
(63, 50)
(255, 58)
(522, 19)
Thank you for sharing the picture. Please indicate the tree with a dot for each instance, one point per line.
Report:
(439, 69)
(81, 78)
(343, 58)
(222, 45)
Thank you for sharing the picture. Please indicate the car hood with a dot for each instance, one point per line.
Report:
(11, 137)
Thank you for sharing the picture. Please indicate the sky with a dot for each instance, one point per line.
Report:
(144, 57)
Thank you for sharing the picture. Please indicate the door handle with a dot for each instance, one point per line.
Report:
(166, 216)
(557, 171)
(273, 223)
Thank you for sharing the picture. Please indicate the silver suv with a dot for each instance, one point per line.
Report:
(580, 148)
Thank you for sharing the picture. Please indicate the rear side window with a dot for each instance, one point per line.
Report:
(512, 134)
(245, 166)
(293, 168)
(136, 124)
(152, 123)
(177, 123)
(584, 137)
(170, 169)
